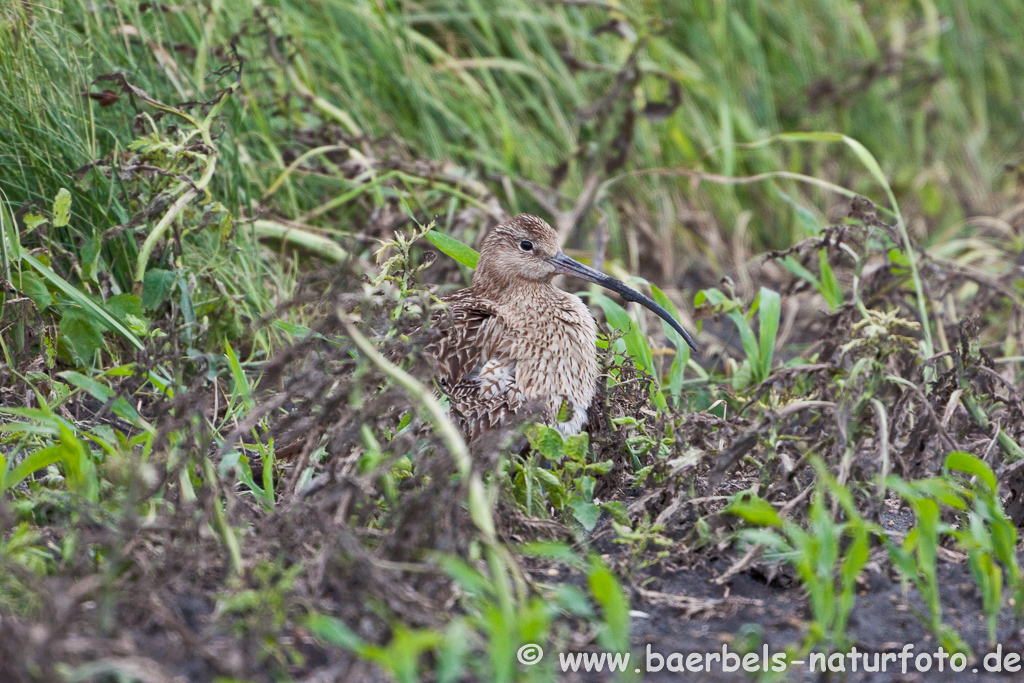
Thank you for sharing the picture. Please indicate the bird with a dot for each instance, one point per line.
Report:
(512, 341)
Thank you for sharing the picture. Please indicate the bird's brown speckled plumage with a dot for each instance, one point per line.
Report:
(512, 338)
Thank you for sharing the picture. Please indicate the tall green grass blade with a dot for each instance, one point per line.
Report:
(768, 315)
(682, 357)
(242, 388)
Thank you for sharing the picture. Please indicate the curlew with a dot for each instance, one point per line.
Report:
(512, 339)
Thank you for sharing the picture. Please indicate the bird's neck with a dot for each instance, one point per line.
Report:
(506, 290)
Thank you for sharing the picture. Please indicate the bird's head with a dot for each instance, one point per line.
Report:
(520, 249)
(525, 249)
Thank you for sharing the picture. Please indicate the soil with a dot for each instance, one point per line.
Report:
(758, 613)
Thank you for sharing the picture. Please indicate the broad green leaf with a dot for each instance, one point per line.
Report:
(754, 509)
(35, 289)
(62, 208)
(552, 550)
(462, 253)
(44, 457)
(575, 446)
(334, 632)
(81, 299)
(455, 649)
(80, 333)
(573, 600)
(608, 593)
(469, 578)
(156, 287)
(89, 257)
(79, 468)
(971, 464)
(120, 306)
(546, 441)
(618, 512)
(99, 391)
(586, 514)
(32, 221)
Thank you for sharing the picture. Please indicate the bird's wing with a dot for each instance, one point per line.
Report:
(461, 328)
(474, 369)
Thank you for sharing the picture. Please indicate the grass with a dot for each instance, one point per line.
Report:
(218, 227)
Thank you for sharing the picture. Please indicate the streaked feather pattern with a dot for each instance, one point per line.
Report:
(508, 341)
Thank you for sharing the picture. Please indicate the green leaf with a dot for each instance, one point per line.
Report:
(573, 600)
(37, 461)
(750, 345)
(334, 632)
(586, 514)
(552, 550)
(122, 305)
(462, 253)
(242, 387)
(32, 221)
(454, 651)
(293, 329)
(769, 313)
(829, 286)
(575, 446)
(636, 344)
(546, 441)
(81, 299)
(80, 333)
(618, 512)
(156, 287)
(100, 392)
(35, 289)
(682, 358)
(89, 257)
(794, 266)
(62, 208)
(973, 465)
(609, 594)
(754, 509)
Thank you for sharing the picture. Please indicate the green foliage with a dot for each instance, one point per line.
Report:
(760, 348)
(826, 283)
(990, 539)
(828, 555)
(128, 224)
(558, 474)
(465, 255)
(484, 643)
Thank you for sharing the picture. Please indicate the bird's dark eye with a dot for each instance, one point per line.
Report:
(526, 245)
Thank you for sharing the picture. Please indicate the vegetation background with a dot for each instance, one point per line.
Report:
(208, 208)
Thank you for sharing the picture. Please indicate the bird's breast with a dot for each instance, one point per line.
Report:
(553, 346)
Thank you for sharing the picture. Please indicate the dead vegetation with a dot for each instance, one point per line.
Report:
(223, 457)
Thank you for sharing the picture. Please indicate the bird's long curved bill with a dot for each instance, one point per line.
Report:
(567, 266)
